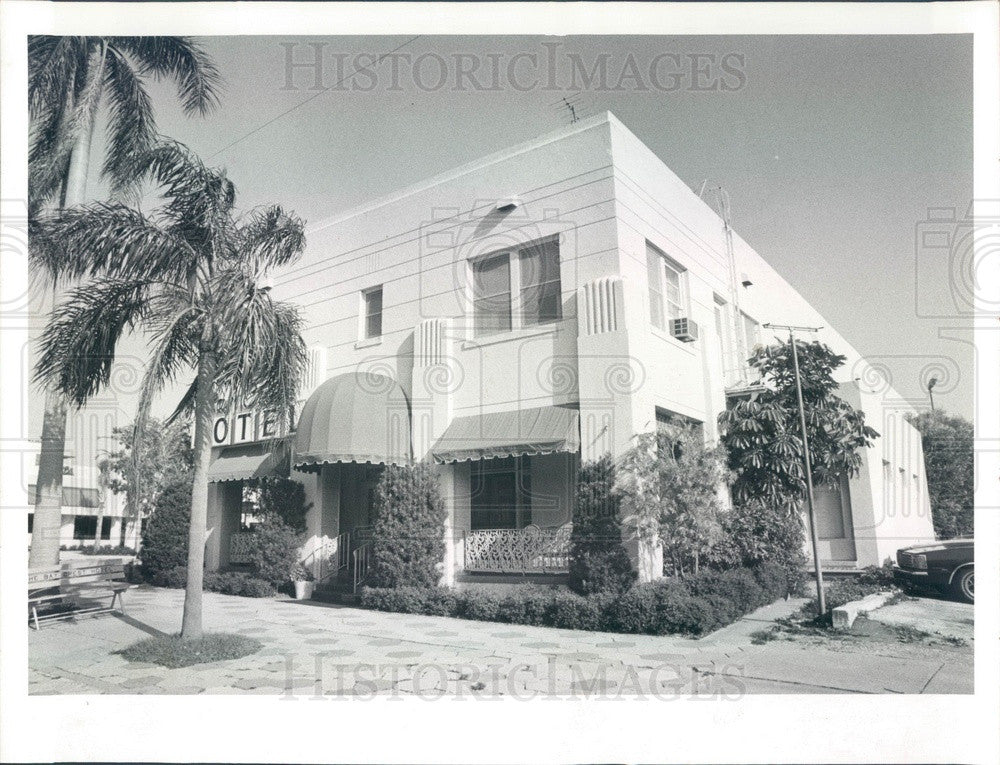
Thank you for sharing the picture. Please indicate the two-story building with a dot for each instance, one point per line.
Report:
(521, 313)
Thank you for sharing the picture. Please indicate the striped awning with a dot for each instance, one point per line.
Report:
(542, 430)
(243, 463)
(354, 417)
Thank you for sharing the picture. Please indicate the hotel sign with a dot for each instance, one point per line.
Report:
(245, 428)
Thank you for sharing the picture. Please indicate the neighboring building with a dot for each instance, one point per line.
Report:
(84, 501)
(534, 308)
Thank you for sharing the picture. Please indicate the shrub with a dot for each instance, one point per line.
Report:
(238, 583)
(165, 538)
(879, 576)
(108, 550)
(598, 561)
(693, 605)
(173, 577)
(285, 499)
(408, 536)
(274, 550)
(758, 533)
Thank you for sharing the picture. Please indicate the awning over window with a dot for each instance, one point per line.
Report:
(354, 417)
(243, 463)
(543, 430)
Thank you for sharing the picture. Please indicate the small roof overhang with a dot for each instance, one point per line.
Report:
(542, 430)
(354, 417)
(244, 463)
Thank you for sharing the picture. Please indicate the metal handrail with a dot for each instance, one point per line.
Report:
(361, 557)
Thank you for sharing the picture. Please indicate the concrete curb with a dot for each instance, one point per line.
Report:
(844, 616)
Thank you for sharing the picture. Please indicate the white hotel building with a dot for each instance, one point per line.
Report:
(524, 312)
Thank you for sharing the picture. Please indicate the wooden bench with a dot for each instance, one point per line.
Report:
(76, 582)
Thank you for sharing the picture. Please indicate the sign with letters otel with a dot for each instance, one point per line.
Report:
(245, 428)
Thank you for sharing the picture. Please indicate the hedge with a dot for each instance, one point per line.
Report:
(694, 605)
(224, 582)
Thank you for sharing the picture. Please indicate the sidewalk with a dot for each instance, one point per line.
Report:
(312, 649)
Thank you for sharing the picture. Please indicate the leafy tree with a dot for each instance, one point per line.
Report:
(274, 550)
(762, 433)
(670, 483)
(408, 535)
(164, 458)
(68, 77)
(950, 464)
(598, 561)
(195, 278)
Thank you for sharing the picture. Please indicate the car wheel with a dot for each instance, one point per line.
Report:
(963, 584)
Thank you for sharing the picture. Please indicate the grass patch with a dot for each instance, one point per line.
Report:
(173, 652)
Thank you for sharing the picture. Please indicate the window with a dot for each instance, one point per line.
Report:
(31, 522)
(541, 287)
(519, 288)
(722, 332)
(491, 287)
(750, 333)
(372, 308)
(501, 493)
(85, 526)
(72, 496)
(667, 288)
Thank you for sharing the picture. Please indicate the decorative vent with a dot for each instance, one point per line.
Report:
(315, 372)
(602, 305)
(684, 330)
(429, 340)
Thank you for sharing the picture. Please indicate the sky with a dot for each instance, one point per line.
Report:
(832, 149)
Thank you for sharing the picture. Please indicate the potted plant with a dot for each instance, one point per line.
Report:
(303, 580)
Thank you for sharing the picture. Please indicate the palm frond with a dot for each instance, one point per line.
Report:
(271, 237)
(131, 127)
(79, 341)
(181, 59)
(109, 240)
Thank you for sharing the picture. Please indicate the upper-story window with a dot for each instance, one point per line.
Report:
(667, 288)
(371, 307)
(517, 288)
(751, 331)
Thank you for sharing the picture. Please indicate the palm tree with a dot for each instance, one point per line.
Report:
(67, 79)
(194, 277)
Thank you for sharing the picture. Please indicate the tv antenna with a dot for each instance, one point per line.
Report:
(570, 104)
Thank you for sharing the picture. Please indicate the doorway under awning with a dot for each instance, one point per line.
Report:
(525, 432)
(245, 463)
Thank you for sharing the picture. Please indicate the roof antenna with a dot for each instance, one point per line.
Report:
(572, 110)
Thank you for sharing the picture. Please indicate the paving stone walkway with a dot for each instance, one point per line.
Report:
(313, 650)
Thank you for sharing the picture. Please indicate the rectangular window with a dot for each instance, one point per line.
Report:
(72, 496)
(750, 333)
(501, 494)
(667, 288)
(372, 312)
(491, 289)
(541, 287)
(31, 522)
(84, 526)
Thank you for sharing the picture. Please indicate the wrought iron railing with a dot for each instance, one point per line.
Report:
(531, 550)
(361, 560)
(240, 546)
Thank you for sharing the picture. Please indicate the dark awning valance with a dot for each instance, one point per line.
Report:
(243, 463)
(354, 417)
(542, 430)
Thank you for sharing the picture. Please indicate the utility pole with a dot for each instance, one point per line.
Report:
(930, 390)
(820, 595)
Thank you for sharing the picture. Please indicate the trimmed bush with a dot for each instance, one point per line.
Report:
(694, 605)
(286, 499)
(274, 550)
(174, 577)
(598, 561)
(408, 536)
(165, 538)
(238, 583)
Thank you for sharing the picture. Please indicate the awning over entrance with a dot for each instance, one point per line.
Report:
(243, 463)
(354, 417)
(543, 430)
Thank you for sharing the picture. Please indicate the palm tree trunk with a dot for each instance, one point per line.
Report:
(204, 410)
(48, 507)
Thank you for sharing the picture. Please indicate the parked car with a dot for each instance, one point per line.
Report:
(946, 566)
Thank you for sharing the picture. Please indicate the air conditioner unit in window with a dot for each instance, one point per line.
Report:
(684, 330)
